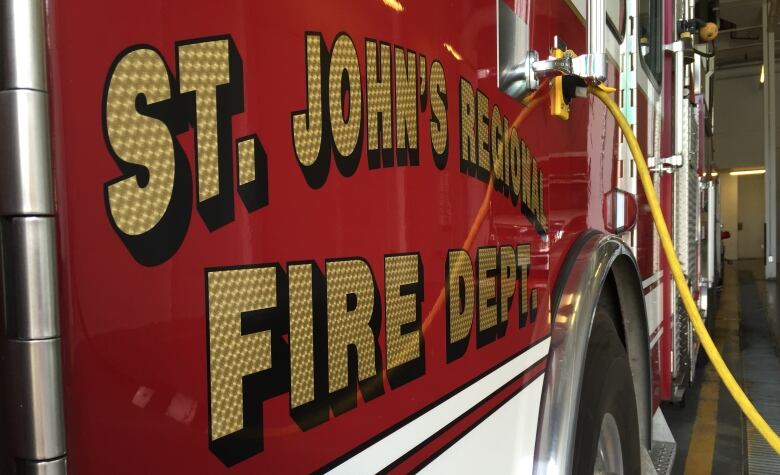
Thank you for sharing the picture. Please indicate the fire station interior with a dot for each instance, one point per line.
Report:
(712, 433)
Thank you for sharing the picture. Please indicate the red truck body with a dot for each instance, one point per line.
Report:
(253, 279)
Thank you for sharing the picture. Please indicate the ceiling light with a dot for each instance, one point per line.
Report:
(757, 171)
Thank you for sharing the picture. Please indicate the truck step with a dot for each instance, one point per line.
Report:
(664, 447)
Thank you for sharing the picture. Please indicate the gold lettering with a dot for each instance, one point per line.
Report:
(438, 126)
(526, 159)
(460, 309)
(346, 129)
(486, 288)
(378, 104)
(468, 154)
(246, 161)
(497, 144)
(406, 105)
(307, 124)
(140, 140)
(231, 354)
(540, 205)
(483, 125)
(523, 264)
(422, 69)
(508, 281)
(202, 68)
(515, 159)
(301, 335)
(535, 188)
(350, 291)
(402, 308)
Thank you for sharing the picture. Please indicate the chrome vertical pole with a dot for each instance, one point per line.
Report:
(595, 67)
(712, 230)
(31, 383)
(770, 178)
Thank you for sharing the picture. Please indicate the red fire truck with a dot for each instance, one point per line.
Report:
(349, 237)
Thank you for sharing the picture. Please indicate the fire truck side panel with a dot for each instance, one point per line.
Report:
(649, 115)
(647, 245)
(310, 235)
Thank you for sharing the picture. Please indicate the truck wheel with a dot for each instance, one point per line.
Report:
(607, 427)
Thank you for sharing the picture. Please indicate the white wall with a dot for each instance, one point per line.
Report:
(739, 105)
(751, 215)
(729, 198)
(739, 143)
(742, 201)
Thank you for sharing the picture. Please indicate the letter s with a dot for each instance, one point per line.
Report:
(149, 204)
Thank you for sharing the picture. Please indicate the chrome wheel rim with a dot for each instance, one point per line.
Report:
(609, 453)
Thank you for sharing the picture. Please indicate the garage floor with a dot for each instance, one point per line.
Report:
(711, 433)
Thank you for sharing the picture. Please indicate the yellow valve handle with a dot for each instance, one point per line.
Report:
(682, 286)
(558, 106)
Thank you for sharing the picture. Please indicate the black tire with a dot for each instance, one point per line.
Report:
(607, 387)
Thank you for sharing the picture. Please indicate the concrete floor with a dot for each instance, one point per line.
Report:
(712, 435)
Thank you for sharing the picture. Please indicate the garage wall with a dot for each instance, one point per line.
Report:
(739, 143)
(751, 215)
(742, 201)
(739, 105)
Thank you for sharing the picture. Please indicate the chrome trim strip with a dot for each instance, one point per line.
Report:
(32, 372)
(25, 167)
(573, 317)
(712, 238)
(30, 361)
(47, 467)
(22, 45)
(30, 284)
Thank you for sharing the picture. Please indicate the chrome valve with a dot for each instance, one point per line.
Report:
(521, 79)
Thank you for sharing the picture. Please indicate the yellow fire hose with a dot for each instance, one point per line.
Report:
(682, 286)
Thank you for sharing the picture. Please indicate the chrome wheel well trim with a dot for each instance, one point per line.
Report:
(594, 258)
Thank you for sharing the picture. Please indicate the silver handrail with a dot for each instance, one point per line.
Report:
(676, 49)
